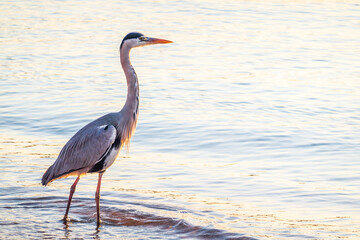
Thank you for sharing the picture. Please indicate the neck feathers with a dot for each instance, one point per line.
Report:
(132, 100)
(131, 107)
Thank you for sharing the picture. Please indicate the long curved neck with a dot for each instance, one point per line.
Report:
(132, 100)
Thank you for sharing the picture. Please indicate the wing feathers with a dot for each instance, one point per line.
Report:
(82, 151)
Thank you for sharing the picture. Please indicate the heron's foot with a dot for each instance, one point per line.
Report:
(98, 223)
(66, 219)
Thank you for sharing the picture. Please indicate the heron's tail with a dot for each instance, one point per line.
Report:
(48, 176)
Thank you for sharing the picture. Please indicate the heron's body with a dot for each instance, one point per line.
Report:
(95, 147)
(80, 156)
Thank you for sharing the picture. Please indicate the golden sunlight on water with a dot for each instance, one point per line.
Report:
(248, 127)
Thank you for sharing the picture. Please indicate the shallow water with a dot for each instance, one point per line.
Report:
(249, 123)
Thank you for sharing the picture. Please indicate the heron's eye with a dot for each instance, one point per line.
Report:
(143, 38)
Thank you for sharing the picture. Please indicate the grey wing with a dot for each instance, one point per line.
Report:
(82, 151)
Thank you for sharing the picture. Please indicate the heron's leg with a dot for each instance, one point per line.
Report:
(97, 198)
(72, 190)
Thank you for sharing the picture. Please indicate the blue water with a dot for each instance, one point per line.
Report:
(249, 123)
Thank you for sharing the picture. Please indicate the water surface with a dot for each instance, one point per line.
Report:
(249, 123)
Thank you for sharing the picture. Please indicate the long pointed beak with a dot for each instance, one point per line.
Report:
(158, 40)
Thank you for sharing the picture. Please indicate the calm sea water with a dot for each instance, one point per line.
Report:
(249, 123)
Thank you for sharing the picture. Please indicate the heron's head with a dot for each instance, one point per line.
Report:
(135, 39)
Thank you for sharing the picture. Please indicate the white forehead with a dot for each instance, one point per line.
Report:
(130, 43)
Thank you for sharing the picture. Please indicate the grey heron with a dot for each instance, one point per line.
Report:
(95, 147)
